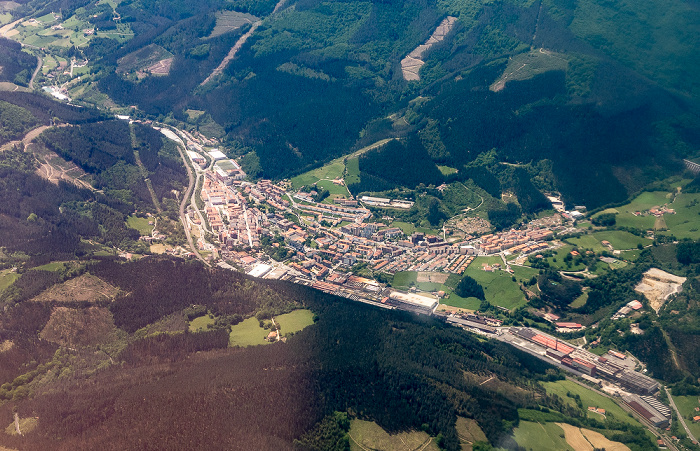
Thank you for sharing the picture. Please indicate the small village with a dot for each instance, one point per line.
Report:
(269, 230)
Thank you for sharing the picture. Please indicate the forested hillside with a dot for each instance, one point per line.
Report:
(533, 81)
(17, 66)
(393, 368)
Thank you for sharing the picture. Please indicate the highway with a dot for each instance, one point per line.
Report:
(183, 204)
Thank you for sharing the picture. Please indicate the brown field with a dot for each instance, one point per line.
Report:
(451, 309)
(469, 431)
(575, 438)
(366, 435)
(162, 67)
(85, 288)
(79, 327)
(586, 440)
(598, 440)
(6, 345)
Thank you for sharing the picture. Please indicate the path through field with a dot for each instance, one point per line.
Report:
(142, 168)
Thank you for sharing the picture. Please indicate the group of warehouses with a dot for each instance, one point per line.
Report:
(641, 386)
(589, 363)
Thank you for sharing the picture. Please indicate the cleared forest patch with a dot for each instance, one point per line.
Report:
(79, 327)
(85, 288)
(229, 21)
(411, 64)
(144, 58)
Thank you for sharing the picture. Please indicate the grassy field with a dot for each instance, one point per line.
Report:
(247, 333)
(537, 436)
(557, 260)
(499, 287)
(295, 321)
(621, 240)
(409, 228)
(587, 242)
(158, 248)
(352, 168)
(686, 405)
(140, 224)
(446, 170)
(527, 65)
(330, 171)
(686, 222)
(406, 279)
(630, 255)
(7, 278)
(683, 224)
(588, 398)
(53, 266)
(334, 190)
(201, 323)
(368, 435)
(524, 273)
(579, 301)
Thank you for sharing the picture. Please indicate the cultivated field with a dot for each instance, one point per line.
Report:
(586, 440)
(366, 435)
(143, 58)
(469, 431)
(26, 425)
(599, 441)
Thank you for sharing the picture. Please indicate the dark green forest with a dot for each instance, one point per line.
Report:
(355, 358)
(319, 80)
(17, 66)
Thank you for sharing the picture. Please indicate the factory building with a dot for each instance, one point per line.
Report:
(637, 382)
(651, 409)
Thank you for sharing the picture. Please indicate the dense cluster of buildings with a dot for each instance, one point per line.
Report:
(516, 241)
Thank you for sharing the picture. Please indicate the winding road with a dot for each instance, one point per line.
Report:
(680, 417)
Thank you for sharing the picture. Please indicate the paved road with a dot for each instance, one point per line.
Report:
(183, 218)
(39, 63)
(680, 417)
